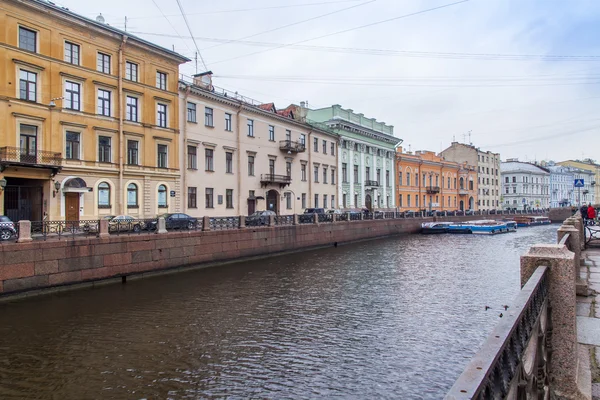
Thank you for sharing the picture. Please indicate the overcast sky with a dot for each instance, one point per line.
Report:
(496, 68)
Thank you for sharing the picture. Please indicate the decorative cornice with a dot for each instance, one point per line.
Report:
(73, 124)
(26, 64)
(77, 78)
(19, 115)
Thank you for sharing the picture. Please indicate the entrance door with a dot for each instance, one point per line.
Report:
(28, 144)
(462, 205)
(251, 206)
(72, 206)
(369, 202)
(273, 201)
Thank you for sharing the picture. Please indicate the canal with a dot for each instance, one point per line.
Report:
(389, 318)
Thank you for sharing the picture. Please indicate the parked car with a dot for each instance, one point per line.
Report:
(7, 228)
(314, 211)
(125, 223)
(259, 218)
(174, 221)
(335, 211)
(93, 228)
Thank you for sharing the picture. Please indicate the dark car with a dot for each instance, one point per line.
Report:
(7, 228)
(314, 211)
(259, 218)
(174, 221)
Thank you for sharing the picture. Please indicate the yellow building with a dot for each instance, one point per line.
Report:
(89, 117)
(425, 181)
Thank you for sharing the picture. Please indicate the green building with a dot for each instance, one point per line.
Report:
(366, 159)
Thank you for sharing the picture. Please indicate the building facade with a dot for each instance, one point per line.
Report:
(366, 161)
(488, 171)
(590, 166)
(240, 157)
(561, 186)
(427, 182)
(525, 186)
(90, 117)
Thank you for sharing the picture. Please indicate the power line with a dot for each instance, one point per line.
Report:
(348, 30)
(172, 26)
(191, 34)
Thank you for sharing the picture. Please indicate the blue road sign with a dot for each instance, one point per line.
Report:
(579, 183)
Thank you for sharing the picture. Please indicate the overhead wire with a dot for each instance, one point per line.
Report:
(172, 26)
(191, 34)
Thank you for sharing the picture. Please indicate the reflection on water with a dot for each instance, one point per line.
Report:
(391, 318)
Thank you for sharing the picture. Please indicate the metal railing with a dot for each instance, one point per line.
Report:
(371, 183)
(132, 226)
(433, 189)
(325, 217)
(64, 229)
(512, 363)
(21, 155)
(224, 223)
(292, 145)
(284, 220)
(306, 218)
(273, 178)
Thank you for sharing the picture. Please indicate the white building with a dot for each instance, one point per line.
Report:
(562, 186)
(525, 186)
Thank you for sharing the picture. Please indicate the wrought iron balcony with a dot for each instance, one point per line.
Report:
(27, 157)
(292, 146)
(463, 192)
(371, 183)
(272, 179)
(433, 189)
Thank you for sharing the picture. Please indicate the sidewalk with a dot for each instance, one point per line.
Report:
(588, 315)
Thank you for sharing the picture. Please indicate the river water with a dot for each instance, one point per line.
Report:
(388, 318)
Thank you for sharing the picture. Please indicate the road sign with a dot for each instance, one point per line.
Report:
(579, 183)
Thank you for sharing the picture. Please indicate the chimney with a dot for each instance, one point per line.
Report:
(204, 80)
(303, 111)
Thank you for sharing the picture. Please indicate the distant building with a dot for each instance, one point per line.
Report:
(525, 186)
(588, 165)
(366, 162)
(425, 181)
(561, 186)
(487, 165)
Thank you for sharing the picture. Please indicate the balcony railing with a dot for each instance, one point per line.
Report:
(281, 180)
(433, 189)
(463, 192)
(22, 156)
(371, 183)
(292, 146)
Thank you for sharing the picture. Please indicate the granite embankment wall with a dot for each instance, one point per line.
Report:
(560, 214)
(38, 265)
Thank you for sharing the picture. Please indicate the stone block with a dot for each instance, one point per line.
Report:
(75, 264)
(64, 277)
(111, 260)
(20, 257)
(141, 257)
(53, 253)
(32, 282)
(97, 273)
(46, 267)
(14, 271)
(110, 248)
(140, 245)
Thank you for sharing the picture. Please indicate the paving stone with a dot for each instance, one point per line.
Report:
(585, 299)
(594, 286)
(583, 309)
(594, 277)
(595, 391)
(588, 330)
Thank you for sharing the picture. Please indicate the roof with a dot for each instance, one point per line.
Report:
(515, 166)
(107, 27)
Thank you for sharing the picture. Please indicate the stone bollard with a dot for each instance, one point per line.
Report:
(296, 220)
(103, 229)
(24, 232)
(572, 244)
(161, 226)
(316, 219)
(348, 215)
(335, 218)
(206, 223)
(242, 222)
(271, 220)
(562, 286)
(574, 222)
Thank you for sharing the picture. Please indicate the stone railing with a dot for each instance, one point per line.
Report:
(533, 352)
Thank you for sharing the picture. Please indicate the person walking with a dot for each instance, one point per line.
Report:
(591, 213)
(584, 211)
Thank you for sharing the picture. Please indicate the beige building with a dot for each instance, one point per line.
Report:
(89, 120)
(487, 165)
(240, 156)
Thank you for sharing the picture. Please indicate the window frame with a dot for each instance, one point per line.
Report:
(229, 198)
(192, 157)
(35, 38)
(192, 112)
(250, 125)
(101, 60)
(162, 115)
(251, 164)
(209, 160)
(209, 117)
(28, 85)
(271, 133)
(102, 150)
(161, 80)
(162, 188)
(72, 97)
(209, 197)
(100, 190)
(130, 108)
(228, 123)
(229, 162)
(78, 145)
(70, 55)
(133, 153)
(133, 188)
(132, 71)
(104, 104)
(192, 197)
(164, 160)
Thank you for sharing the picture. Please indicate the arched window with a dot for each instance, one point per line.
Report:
(103, 195)
(132, 195)
(448, 185)
(162, 196)
(400, 178)
(462, 183)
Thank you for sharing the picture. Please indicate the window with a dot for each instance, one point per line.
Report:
(131, 71)
(324, 147)
(250, 165)
(103, 63)
(333, 176)
(288, 200)
(316, 171)
(73, 145)
(324, 201)
(324, 175)
(131, 112)
(332, 148)
(408, 200)
(470, 185)
(132, 195)
(271, 166)
(229, 162)
(303, 200)
(208, 116)
(303, 139)
(316, 200)
(161, 80)
(408, 179)
(303, 173)
(161, 115)
(417, 200)
(27, 39)
(132, 152)
(288, 169)
(162, 150)
(228, 122)
(208, 160)
(103, 195)
(367, 173)
(191, 112)
(514, 179)
(27, 85)
(162, 196)
(271, 133)
(332, 201)
(72, 95)
(192, 156)
(104, 153)
(72, 53)
(355, 199)
(316, 145)
(356, 177)
(250, 128)
(344, 173)
(379, 176)
(288, 135)
(387, 178)
(514, 190)
(104, 102)
(192, 197)
(400, 178)
(229, 198)
(209, 201)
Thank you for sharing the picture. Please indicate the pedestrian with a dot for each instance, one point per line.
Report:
(591, 213)
(584, 211)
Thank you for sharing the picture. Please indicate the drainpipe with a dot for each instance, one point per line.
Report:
(121, 144)
(183, 157)
(310, 169)
(239, 159)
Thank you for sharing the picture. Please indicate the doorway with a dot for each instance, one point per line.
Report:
(369, 202)
(251, 206)
(462, 205)
(273, 201)
(72, 206)
(23, 202)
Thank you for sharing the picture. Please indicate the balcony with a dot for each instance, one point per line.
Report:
(463, 192)
(433, 189)
(291, 146)
(17, 156)
(272, 179)
(371, 183)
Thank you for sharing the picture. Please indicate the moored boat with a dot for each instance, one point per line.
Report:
(481, 227)
(511, 226)
(435, 227)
